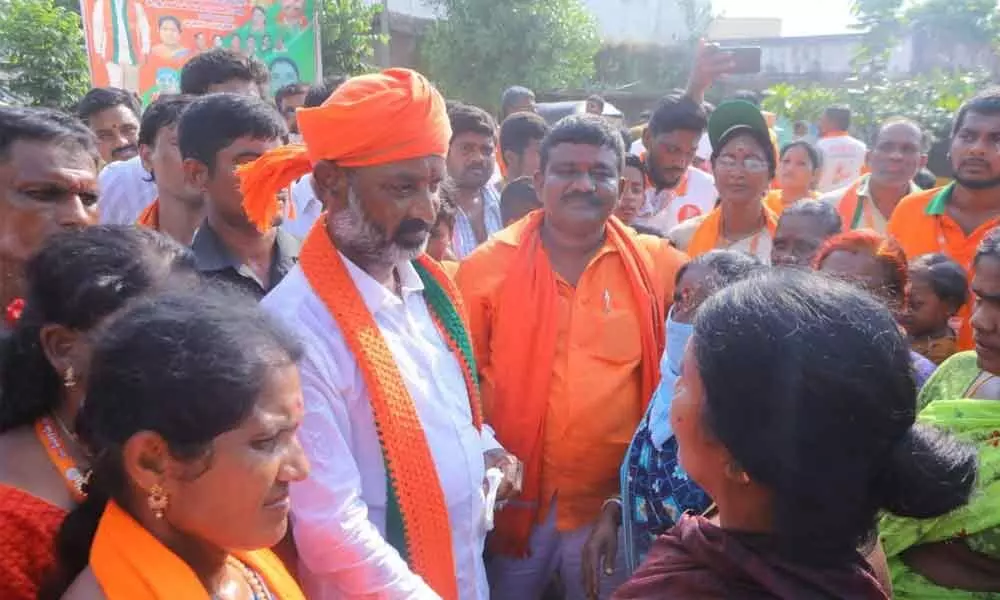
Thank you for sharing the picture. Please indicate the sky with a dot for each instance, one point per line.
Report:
(799, 17)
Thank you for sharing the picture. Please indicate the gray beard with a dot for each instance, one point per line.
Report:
(365, 241)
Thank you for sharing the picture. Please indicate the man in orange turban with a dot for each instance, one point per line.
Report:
(394, 506)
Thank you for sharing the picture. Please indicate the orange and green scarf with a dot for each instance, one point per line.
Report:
(417, 515)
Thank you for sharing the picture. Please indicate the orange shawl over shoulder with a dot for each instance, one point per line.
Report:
(708, 235)
(129, 563)
(150, 216)
(413, 487)
(525, 342)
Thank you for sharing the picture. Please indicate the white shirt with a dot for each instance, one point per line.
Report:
(339, 512)
(125, 191)
(664, 210)
(308, 208)
(843, 160)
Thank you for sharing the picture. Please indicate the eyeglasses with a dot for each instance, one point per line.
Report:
(750, 164)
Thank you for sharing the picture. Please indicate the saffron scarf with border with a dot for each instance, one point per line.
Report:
(709, 233)
(417, 514)
(129, 563)
(525, 343)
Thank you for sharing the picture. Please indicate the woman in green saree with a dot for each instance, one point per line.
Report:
(957, 556)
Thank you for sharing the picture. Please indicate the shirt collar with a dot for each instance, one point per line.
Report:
(939, 202)
(211, 254)
(865, 184)
(374, 294)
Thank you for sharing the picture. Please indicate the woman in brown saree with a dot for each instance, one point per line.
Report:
(795, 411)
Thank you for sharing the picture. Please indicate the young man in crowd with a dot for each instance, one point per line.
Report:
(471, 163)
(516, 99)
(843, 155)
(219, 133)
(520, 136)
(126, 188)
(679, 191)
(113, 115)
(894, 160)
(48, 184)
(559, 339)
(179, 207)
(289, 99)
(954, 219)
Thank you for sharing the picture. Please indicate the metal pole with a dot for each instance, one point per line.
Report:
(383, 20)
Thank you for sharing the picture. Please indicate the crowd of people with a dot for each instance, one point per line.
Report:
(358, 341)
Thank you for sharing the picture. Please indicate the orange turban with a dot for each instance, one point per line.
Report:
(369, 120)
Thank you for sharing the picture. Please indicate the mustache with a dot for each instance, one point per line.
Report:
(591, 199)
(124, 149)
(975, 162)
(413, 226)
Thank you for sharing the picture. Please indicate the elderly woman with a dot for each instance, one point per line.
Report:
(957, 556)
(743, 160)
(655, 491)
(191, 397)
(800, 446)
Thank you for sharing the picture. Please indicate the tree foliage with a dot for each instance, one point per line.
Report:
(931, 100)
(347, 37)
(655, 68)
(481, 47)
(42, 56)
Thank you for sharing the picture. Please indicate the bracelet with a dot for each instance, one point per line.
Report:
(616, 499)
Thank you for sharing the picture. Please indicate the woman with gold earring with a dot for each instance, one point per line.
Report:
(73, 284)
(192, 411)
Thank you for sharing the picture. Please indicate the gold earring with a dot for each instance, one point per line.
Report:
(69, 378)
(158, 501)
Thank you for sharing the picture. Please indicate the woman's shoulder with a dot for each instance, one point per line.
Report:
(950, 380)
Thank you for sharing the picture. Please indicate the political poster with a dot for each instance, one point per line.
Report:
(141, 45)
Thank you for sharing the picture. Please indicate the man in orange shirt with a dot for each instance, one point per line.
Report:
(567, 311)
(955, 218)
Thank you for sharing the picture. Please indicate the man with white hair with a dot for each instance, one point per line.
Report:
(395, 506)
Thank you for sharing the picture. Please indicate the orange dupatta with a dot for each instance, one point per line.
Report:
(129, 563)
(150, 216)
(708, 234)
(412, 475)
(524, 346)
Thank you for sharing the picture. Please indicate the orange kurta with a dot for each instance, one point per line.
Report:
(922, 225)
(595, 400)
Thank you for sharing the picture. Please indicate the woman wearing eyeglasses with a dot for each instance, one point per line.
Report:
(744, 165)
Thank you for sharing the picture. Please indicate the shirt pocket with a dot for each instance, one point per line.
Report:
(615, 337)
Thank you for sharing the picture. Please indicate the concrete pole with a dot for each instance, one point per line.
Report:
(383, 19)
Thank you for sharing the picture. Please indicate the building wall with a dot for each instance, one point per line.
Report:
(743, 28)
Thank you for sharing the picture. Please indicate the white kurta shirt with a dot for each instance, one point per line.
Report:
(126, 189)
(339, 512)
(308, 208)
